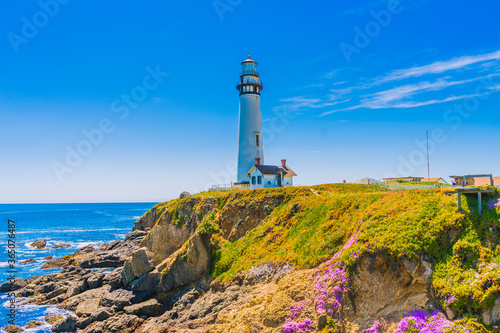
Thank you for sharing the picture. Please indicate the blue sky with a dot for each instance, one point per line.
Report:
(350, 90)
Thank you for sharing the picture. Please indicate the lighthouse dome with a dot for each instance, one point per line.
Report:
(249, 60)
(249, 67)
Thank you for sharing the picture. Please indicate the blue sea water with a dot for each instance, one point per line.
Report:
(75, 224)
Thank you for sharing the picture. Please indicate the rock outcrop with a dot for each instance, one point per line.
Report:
(140, 263)
(159, 278)
(39, 244)
(387, 288)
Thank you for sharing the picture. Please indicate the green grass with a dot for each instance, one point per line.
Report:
(312, 223)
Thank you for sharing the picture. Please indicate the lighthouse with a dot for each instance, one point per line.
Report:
(250, 148)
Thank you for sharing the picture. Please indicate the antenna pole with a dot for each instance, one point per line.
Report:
(428, 164)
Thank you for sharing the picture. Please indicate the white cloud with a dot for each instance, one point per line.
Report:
(439, 67)
(403, 89)
(383, 99)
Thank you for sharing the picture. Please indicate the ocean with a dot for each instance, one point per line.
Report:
(75, 224)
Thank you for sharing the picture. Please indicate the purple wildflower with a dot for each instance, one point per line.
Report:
(420, 321)
(494, 203)
(450, 300)
(375, 328)
(329, 288)
(297, 308)
(296, 327)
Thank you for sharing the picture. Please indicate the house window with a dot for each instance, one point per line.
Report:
(257, 139)
(253, 180)
(259, 179)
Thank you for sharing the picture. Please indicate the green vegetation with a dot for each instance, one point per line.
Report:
(306, 226)
(208, 225)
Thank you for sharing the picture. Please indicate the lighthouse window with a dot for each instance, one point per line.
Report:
(257, 140)
(251, 88)
(253, 180)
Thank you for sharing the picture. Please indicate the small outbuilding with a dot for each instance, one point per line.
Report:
(436, 180)
(268, 176)
(474, 180)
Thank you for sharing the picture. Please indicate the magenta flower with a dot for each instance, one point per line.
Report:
(420, 321)
(494, 203)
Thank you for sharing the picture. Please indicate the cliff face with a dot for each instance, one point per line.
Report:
(328, 258)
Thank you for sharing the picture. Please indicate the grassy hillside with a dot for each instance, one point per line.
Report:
(314, 223)
(311, 224)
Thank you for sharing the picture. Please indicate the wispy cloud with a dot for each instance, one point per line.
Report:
(386, 98)
(445, 81)
(415, 94)
(302, 103)
(439, 67)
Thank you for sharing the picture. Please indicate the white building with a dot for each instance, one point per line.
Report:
(267, 176)
(251, 173)
(250, 125)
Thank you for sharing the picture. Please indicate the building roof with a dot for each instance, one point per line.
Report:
(472, 176)
(272, 170)
(249, 60)
(409, 177)
(434, 179)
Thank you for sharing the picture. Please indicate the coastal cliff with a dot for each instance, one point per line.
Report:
(327, 258)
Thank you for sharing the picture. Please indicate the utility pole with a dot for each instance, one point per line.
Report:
(428, 164)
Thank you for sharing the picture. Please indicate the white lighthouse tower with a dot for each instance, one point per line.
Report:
(250, 124)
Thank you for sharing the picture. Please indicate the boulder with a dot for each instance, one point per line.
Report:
(85, 250)
(33, 324)
(60, 246)
(56, 263)
(39, 244)
(47, 258)
(52, 318)
(83, 322)
(8, 286)
(114, 279)
(120, 298)
(95, 280)
(76, 288)
(388, 289)
(104, 259)
(45, 288)
(27, 291)
(139, 264)
(118, 323)
(87, 307)
(146, 221)
(188, 264)
(96, 295)
(12, 329)
(185, 195)
(29, 261)
(492, 316)
(102, 314)
(67, 324)
(149, 308)
(57, 292)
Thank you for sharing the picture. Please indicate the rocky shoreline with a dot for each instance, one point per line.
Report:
(159, 278)
(111, 303)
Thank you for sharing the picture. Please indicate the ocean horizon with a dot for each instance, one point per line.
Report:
(73, 224)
